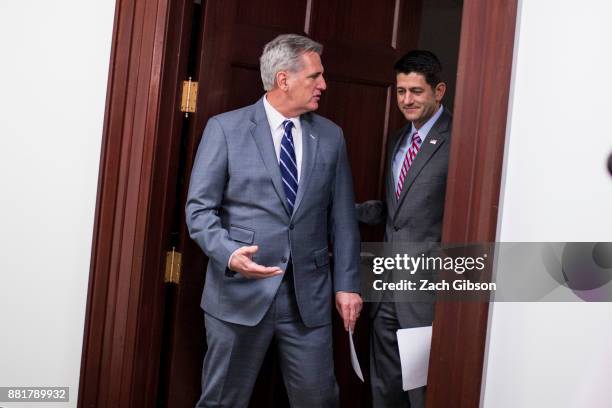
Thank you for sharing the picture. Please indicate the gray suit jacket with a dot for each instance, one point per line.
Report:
(236, 198)
(417, 216)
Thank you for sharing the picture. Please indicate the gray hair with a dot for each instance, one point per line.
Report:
(283, 54)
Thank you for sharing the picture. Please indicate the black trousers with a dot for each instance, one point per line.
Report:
(385, 366)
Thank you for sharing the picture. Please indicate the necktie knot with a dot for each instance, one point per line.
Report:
(416, 138)
(288, 125)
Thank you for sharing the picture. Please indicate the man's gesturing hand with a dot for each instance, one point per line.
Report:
(241, 262)
(349, 306)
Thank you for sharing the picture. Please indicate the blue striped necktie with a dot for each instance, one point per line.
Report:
(288, 165)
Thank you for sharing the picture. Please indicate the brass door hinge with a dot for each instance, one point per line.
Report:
(173, 267)
(189, 97)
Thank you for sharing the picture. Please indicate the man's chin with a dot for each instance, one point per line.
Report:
(313, 106)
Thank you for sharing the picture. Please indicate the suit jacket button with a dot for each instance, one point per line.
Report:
(284, 260)
(396, 228)
(291, 226)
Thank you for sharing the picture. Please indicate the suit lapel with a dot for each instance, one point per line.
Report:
(260, 129)
(310, 141)
(398, 139)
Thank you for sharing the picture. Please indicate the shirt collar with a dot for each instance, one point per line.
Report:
(276, 119)
(424, 130)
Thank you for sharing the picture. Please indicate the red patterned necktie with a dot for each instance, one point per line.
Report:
(410, 155)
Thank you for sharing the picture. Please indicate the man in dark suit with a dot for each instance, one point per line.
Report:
(415, 187)
(271, 184)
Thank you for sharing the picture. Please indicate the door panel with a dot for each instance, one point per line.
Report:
(358, 22)
(283, 15)
(362, 40)
(360, 109)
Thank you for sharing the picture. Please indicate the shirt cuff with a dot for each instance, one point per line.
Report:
(229, 261)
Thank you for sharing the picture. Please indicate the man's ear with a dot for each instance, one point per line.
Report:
(281, 80)
(439, 91)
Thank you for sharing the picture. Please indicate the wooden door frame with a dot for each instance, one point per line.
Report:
(122, 335)
(484, 72)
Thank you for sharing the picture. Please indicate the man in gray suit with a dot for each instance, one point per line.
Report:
(271, 184)
(415, 187)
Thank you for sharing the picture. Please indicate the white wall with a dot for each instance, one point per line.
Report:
(555, 188)
(53, 76)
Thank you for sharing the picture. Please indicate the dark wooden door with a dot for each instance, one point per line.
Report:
(362, 39)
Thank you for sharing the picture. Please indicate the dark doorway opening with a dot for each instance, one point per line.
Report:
(362, 41)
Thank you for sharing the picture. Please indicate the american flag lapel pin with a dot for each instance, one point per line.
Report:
(433, 141)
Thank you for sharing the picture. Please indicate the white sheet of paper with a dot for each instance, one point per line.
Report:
(354, 359)
(414, 346)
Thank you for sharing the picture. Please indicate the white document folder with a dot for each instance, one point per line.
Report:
(354, 359)
(414, 346)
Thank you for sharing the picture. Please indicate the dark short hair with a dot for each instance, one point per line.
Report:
(421, 62)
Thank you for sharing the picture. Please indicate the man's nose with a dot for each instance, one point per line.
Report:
(322, 84)
(408, 99)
